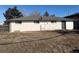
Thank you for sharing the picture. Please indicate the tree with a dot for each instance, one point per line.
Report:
(11, 13)
(46, 13)
(35, 13)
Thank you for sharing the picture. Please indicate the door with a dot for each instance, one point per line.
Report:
(64, 25)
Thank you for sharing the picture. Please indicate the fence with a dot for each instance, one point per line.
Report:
(3, 28)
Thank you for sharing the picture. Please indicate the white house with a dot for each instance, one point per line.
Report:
(40, 23)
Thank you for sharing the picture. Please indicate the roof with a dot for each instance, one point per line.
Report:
(73, 16)
(41, 18)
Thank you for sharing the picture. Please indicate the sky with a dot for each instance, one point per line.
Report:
(57, 10)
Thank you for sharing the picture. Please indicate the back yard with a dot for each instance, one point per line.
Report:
(47, 41)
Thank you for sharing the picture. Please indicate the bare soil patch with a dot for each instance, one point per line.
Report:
(43, 42)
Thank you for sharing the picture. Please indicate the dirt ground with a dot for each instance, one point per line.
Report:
(39, 42)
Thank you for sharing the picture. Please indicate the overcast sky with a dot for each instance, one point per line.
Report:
(58, 10)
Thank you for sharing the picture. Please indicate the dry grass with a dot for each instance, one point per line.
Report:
(39, 42)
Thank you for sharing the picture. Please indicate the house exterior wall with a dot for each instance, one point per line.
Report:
(70, 25)
(50, 25)
(31, 26)
(41, 26)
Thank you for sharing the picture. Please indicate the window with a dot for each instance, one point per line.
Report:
(53, 21)
(18, 22)
(36, 21)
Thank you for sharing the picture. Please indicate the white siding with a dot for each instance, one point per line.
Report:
(24, 26)
(69, 25)
(31, 26)
(51, 26)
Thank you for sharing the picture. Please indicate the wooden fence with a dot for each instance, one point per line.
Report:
(3, 28)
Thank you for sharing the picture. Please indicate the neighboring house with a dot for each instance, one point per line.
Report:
(40, 23)
(76, 22)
